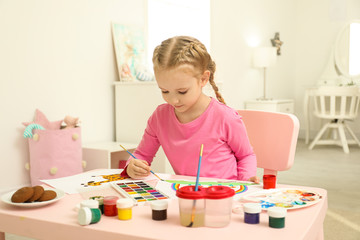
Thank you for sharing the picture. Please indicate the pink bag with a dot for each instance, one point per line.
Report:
(54, 154)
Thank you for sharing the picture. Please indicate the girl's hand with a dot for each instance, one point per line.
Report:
(138, 168)
(254, 179)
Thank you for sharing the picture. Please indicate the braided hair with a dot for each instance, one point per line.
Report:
(180, 50)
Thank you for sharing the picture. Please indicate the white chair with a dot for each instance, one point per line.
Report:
(336, 105)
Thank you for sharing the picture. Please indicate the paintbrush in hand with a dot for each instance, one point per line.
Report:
(136, 158)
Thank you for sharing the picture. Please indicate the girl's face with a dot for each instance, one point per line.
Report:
(181, 87)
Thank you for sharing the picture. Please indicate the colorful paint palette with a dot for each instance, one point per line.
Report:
(139, 191)
(284, 197)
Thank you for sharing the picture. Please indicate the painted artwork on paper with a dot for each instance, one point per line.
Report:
(130, 50)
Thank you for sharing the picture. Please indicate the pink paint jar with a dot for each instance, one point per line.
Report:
(269, 181)
(110, 208)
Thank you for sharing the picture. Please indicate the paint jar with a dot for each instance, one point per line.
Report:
(252, 213)
(88, 216)
(277, 217)
(191, 206)
(218, 202)
(269, 181)
(124, 208)
(100, 200)
(89, 203)
(110, 205)
(159, 209)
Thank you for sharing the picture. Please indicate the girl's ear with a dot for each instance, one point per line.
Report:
(205, 78)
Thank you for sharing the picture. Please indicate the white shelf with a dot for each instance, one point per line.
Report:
(276, 105)
(100, 155)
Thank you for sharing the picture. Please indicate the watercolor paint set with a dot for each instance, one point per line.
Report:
(139, 191)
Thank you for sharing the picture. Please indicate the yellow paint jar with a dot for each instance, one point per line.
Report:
(124, 207)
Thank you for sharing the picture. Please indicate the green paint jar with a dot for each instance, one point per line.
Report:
(100, 199)
(277, 217)
(88, 216)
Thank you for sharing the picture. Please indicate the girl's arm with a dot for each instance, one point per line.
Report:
(144, 153)
(239, 142)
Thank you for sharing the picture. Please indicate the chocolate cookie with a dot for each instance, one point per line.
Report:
(47, 195)
(22, 195)
(38, 192)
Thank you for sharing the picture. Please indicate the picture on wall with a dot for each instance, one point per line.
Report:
(129, 44)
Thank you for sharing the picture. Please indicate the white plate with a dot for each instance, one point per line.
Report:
(284, 197)
(6, 198)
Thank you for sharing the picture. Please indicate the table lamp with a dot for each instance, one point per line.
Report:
(264, 57)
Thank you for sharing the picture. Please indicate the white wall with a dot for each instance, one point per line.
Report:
(233, 22)
(317, 26)
(308, 30)
(57, 56)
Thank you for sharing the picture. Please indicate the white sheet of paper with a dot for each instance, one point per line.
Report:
(165, 187)
(77, 183)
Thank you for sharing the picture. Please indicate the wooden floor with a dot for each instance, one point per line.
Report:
(330, 168)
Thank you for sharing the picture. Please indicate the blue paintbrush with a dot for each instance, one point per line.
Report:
(199, 165)
(196, 186)
(136, 158)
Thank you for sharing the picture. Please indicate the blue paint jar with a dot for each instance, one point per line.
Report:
(252, 213)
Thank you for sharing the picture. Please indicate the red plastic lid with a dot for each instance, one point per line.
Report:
(188, 192)
(219, 192)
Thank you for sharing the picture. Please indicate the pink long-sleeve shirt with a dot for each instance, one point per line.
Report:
(227, 151)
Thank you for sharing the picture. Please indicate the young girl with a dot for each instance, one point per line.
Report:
(182, 67)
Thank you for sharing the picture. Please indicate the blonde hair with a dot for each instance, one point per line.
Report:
(180, 50)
